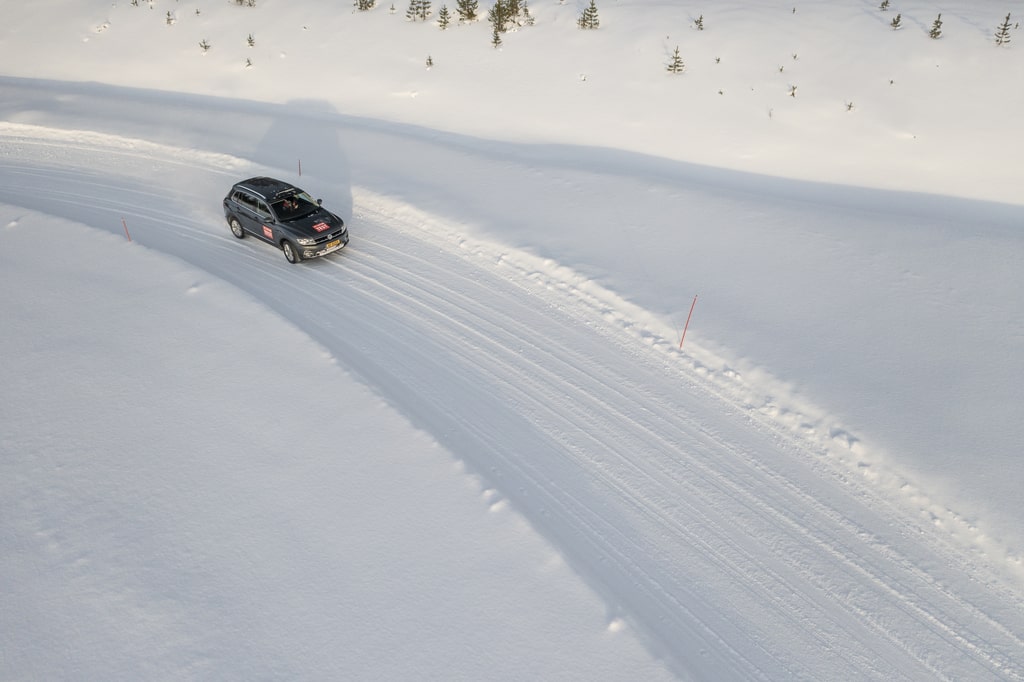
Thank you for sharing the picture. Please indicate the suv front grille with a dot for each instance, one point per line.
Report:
(330, 236)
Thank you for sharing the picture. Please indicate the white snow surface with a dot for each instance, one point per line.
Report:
(469, 445)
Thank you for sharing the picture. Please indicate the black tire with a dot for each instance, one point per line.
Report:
(291, 254)
(236, 228)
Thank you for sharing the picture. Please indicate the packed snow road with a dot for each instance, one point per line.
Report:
(730, 540)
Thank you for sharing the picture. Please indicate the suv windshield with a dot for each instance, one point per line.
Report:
(294, 206)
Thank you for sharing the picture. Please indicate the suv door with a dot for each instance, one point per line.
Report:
(266, 220)
(247, 215)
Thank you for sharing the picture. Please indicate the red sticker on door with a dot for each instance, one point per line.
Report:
(320, 227)
(267, 232)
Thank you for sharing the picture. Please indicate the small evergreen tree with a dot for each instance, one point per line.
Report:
(506, 14)
(251, 41)
(699, 23)
(365, 5)
(444, 17)
(499, 17)
(467, 9)
(424, 9)
(414, 10)
(936, 31)
(1003, 32)
(896, 21)
(496, 38)
(884, 6)
(430, 61)
(588, 19)
(676, 65)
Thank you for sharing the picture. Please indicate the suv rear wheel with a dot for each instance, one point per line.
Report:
(236, 228)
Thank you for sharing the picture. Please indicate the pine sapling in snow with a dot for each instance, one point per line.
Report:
(525, 13)
(506, 14)
(1003, 32)
(497, 15)
(588, 19)
(500, 16)
(467, 9)
(418, 10)
(676, 64)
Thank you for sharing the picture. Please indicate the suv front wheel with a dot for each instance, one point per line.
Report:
(291, 254)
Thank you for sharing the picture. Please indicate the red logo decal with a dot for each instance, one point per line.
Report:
(320, 227)
(267, 232)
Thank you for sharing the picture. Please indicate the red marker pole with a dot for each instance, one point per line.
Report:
(687, 322)
(125, 223)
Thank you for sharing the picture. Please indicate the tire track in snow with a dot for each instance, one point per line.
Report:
(541, 394)
(582, 425)
(937, 622)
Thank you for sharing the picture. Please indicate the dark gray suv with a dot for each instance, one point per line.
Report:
(285, 216)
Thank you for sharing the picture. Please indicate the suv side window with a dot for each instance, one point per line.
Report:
(245, 200)
(263, 211)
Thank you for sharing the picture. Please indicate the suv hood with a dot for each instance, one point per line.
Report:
(317, 224)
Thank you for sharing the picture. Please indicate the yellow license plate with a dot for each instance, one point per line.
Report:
(331, 245)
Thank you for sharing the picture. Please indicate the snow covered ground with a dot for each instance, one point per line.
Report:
(469, 445)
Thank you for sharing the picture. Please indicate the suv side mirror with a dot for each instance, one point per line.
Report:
(319, 202)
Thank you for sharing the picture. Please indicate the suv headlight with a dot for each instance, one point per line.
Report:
(305, 241)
